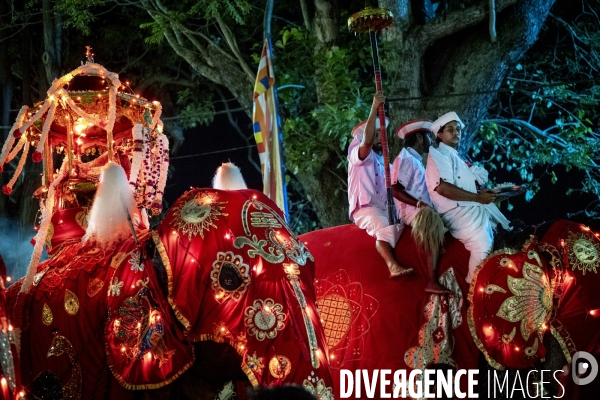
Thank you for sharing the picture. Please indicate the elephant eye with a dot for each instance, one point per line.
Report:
(229, 277)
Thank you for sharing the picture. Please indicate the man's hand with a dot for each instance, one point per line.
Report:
(378, 99)
(486, 196)
(369, 133)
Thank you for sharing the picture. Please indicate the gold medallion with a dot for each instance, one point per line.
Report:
(584, 253)
(47, 315)
(280, 367)
(198, 214)
(71, 302)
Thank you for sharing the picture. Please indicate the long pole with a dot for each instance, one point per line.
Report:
(382, 130)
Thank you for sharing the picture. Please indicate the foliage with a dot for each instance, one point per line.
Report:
(81, 13)
(549, 115)
(318, 125)
(195, 108)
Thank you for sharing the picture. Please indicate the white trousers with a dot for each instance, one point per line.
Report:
(375, 222)
(474, 226)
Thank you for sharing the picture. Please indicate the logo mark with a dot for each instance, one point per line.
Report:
(584, 364)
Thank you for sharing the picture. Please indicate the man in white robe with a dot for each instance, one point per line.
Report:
(470, 214)
(408, 183)
(367, 194)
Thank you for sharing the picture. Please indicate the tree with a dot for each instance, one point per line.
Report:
(434, 61)
(451, 53)
(546, 115)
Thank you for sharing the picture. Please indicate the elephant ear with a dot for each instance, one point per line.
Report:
(511, 300)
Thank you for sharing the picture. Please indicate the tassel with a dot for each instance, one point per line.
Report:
(229, 177)
(428, 230)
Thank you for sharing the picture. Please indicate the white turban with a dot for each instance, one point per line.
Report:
(413, 126)
(360, 128)
(444, 119)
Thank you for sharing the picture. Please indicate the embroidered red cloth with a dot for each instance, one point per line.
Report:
(372, 322)
(238, 275)
(67, 323)
(548, 287)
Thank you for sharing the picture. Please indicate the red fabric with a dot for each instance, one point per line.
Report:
(207, 229)
(86, 271)
(387, 316)
(494, 295)
(577, 316)
(563, 295)
(69, 224)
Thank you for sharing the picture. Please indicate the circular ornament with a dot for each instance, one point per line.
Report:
(280, 367)
(264, 319)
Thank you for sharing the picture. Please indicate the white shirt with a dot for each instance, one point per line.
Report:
(366, 179)
(445, 164)
(409, 171)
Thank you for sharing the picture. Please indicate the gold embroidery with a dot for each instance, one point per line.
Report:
(336, 313)
(319, 390)
(197, 214)
(255, 363)
(264, 319)
(280, 367)
(293, 273)
(532, 301)
(47, 317)
(82, 219)
(584, 254)
(494, 288)
(230, 276)
(508, 263)
(59, 346)
(263, 220)
(71, 302)
(94, 286)
(531, 351)
(507, 338)
(362, 307)
(118, 259)
(49, 235)
(114, 289)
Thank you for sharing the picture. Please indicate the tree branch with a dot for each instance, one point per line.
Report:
(305, 16)
(558, 141)
(233, 46)
(456, 21)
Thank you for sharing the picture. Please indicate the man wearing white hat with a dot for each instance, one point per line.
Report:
(408, 183)
(408, 172)
(470, 214)
(367, 194)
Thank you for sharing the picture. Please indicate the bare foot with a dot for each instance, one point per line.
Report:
(396, 271)
(434, 287)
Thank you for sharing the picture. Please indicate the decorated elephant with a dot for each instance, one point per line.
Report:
(532, 305)
(220, 290)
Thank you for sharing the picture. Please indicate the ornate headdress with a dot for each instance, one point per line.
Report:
(89, 118)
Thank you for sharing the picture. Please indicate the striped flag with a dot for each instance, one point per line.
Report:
(266, 131)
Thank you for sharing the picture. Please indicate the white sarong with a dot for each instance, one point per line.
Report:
(375, 221)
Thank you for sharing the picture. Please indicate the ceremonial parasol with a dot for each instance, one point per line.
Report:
(371, 21)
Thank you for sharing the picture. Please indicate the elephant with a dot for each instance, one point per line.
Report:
(221, 290)
(395, 325)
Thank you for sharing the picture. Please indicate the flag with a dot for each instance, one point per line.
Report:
(266, 125)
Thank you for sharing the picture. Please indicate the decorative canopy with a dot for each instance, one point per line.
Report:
(88, 119)
(370, 20)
